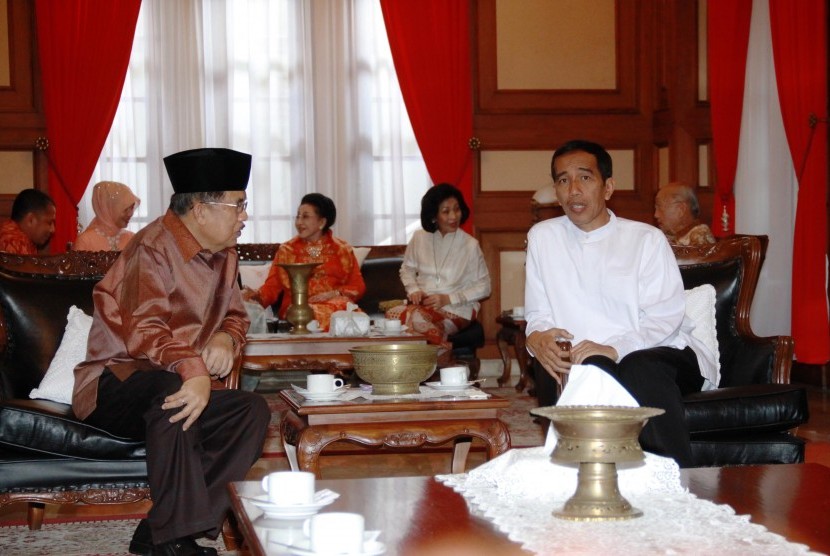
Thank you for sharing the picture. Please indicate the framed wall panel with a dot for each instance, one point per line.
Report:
(622, 96)
(18, 95)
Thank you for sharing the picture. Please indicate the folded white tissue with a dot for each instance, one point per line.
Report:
(349, 323)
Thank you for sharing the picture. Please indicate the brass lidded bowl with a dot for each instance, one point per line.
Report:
(394, 369)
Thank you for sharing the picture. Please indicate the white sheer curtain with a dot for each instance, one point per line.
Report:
(306, 86)
(765, 182)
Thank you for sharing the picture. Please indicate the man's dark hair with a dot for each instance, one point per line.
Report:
(30, 200)
(324, 206)
(433, 198)
(603, 158)
(180, 203)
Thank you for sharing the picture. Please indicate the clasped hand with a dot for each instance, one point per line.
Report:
(558, 361)
(433, 301)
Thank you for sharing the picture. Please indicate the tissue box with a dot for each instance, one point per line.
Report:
(349, 323)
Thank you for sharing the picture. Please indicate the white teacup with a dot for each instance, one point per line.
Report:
(392, 325)
(518, 312)
(454, 375)
(335, 533)
(323, 383)
(289, 488)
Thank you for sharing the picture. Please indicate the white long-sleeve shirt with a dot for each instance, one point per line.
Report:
(452, 264)
(618, 285)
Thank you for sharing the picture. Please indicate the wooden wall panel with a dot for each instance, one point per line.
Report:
(21, 113)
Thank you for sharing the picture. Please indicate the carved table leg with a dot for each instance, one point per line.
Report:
(498, 438)
(525, 378)
(291, 454)
(503, 339)
(459, 454)
(291, 426)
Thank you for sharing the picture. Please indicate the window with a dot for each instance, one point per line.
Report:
(307, 87)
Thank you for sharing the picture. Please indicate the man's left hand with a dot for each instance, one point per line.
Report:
(191, 398)
(218, 355)
(586, 348)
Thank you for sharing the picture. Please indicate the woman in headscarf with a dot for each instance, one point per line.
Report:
(113, 204)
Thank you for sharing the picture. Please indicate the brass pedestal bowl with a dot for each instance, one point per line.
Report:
(394, 369)
(597, 438)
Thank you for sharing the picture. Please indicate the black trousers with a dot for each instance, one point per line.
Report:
(655, 377)
(188, 470)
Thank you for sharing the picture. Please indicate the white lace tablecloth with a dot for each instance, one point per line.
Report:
(519, 490)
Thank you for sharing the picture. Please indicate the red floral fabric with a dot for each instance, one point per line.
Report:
(14, 240)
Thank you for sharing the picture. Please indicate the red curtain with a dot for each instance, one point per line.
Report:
(430, 43)
(84, 48)
(799, 46)
(728, 40)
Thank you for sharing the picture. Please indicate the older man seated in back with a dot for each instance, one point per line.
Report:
(676, 210)
(31, 225)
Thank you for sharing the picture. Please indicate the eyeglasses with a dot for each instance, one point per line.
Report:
(240, 206)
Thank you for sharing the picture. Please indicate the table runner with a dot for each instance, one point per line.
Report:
(518, 490)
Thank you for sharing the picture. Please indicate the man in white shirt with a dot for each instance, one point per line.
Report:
(612, 288)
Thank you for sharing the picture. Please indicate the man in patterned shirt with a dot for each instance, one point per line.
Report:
(676, 210)
(31, 225)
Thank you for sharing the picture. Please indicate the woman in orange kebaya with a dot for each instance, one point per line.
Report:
(333, 284)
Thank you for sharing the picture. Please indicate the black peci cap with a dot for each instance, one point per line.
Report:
(202, 170)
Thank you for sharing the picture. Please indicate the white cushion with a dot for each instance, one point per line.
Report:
(360, 254)
(253, 275)
(59, 380)
(700, 308)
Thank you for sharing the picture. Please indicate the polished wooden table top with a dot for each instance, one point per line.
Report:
(419, 515)
(320, 344)
(791, 500)
(456, 404)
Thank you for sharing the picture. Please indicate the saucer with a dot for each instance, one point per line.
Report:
(398, 332)
(303, 548)
(451, 387)
(295, 511)
(319, 396)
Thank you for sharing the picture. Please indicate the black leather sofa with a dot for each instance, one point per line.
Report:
(751, 417)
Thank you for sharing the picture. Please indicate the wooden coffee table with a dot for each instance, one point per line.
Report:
(419, 515)
(308, 427)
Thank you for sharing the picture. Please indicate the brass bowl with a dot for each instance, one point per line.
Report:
(394, 369)
(597, 433)
(597, 438)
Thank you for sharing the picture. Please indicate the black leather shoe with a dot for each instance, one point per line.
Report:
(183, 547)
(142, 542)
